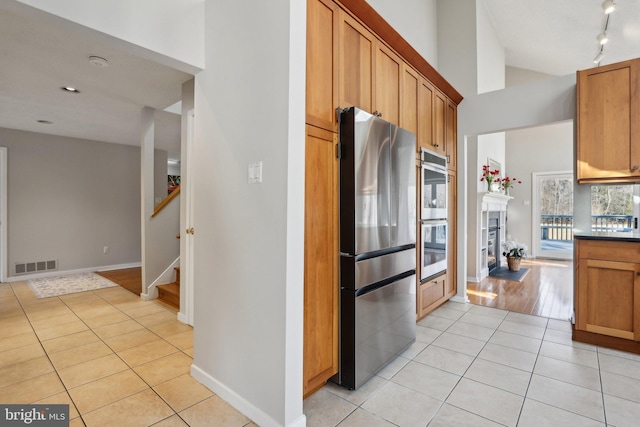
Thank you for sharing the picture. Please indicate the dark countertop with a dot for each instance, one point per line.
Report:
(622, 236)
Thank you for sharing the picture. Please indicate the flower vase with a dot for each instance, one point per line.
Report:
(513, 263)
(506, 191)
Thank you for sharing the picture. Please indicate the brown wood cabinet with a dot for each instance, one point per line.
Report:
(608, 128)
(425, 114)
(451, 135)
(354, 58)
(387, 76)
(409, 86)
(356, 46)
(607, 288)
(431, 294)
(321, 288)
(322, 64)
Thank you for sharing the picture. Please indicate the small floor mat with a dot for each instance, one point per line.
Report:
(506, 274)
(54, 286)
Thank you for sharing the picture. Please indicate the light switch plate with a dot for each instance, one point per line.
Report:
(255, 172)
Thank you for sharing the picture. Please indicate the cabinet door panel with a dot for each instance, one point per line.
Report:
(607, 295)
(431, 294)
(387, 75)
(409, 100)
(356, 47)
(608, 129)
(425, 114)
(451, 135)
(320, 260)
(322, 69)
(439, 123)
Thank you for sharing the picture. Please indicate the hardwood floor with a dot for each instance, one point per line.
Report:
(546, 290)
(128, 278)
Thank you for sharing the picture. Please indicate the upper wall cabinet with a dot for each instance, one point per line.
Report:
(388, 73)
(608, 131)
(409, 86)
(322, 64)
(451, 135)
(357, 52)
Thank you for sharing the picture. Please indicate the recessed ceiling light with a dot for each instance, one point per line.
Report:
(45, 122)
(98, 61)
(70, 89)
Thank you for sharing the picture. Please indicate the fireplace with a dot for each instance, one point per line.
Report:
(493, 241)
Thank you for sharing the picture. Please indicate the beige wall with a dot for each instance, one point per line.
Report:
(68, 198)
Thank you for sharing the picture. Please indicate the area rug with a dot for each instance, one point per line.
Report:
(506, 274)
(54, 286)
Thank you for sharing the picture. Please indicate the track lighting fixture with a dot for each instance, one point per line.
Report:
(603, 38)
(608, 6)
(598, 57)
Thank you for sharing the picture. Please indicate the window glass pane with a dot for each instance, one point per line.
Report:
(612, 207)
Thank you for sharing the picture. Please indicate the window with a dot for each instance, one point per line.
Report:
(614, 207)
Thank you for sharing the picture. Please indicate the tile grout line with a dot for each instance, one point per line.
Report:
(100, 339)
(127, 364)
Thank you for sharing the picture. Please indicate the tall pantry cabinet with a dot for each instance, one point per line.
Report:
(354, 58)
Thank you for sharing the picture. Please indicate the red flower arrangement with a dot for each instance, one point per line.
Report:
(489, 176)
(507, 183)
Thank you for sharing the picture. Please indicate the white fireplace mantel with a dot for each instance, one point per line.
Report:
(495, 202)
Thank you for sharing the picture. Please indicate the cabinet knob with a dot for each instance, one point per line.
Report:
(377, 113)
(634, 168)
(436, 145)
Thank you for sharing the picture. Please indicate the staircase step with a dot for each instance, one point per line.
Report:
(170, 294)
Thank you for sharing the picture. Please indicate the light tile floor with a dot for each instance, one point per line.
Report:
(479, 366)
(115, 359)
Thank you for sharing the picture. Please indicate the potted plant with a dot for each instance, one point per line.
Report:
(514, 252)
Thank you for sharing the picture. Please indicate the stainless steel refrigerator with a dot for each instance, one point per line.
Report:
(377, 244)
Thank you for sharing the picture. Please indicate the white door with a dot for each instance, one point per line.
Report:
(552, 214)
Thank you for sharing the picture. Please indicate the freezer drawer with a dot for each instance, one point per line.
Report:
(376, 327)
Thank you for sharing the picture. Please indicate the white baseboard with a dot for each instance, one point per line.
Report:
(459, 299)
(69, 272)
(241, 404)
(148, 296)
(473, 279)
(183, 318)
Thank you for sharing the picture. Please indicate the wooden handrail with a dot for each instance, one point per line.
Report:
(166, 201)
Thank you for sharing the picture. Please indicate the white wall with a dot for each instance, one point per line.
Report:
(68, 198)
(539, 149)
(173, 28)
(457, 47)
(490, 53)
(249, 237)
(416, 22)
(517, 76)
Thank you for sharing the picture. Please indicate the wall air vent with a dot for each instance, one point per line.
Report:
(35, 266)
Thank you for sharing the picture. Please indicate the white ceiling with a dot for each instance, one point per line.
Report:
(40, 56)
(559, 36)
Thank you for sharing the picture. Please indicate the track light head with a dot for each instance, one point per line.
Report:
(598, 58)
(608, 6)
(603, 38)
